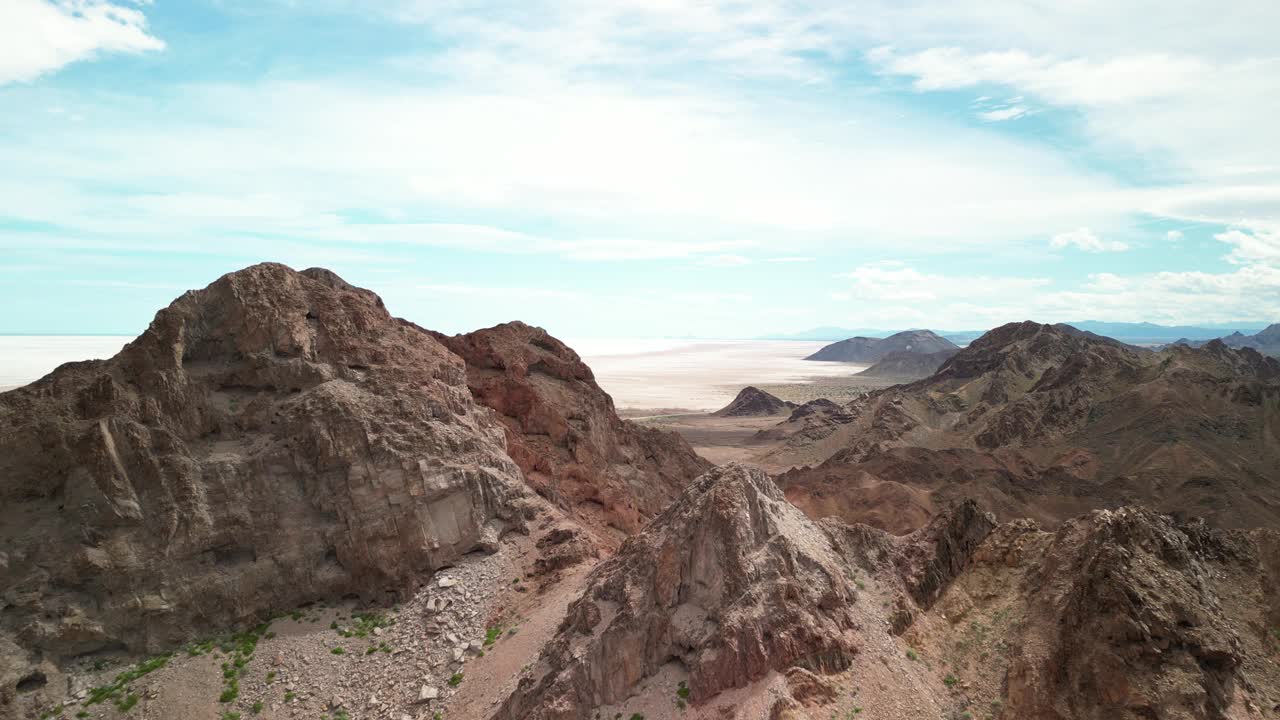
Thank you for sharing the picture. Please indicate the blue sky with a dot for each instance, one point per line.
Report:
(621, 168)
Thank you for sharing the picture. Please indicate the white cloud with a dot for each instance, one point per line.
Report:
(41, 36)
(1013, 112)
(790, 259)
(1073, 81)
(892, 282)
(904, 297)
(1084, 239)
(1252, 245)
(1173, 235)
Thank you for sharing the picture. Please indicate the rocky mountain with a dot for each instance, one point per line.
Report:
(1037, 422)
(273, 438)
(908, 365)
(564, 434)
(870, 350)
(754, 402)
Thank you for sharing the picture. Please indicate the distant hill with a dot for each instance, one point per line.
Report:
(754, 402)
(871, 350)
(1266, 341)
(908, 365)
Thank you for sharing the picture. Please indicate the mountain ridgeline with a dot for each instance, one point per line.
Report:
(871, 350)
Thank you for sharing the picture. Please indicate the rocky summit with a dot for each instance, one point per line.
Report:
(273, 438)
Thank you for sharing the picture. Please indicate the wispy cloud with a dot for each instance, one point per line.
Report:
(1084, 239)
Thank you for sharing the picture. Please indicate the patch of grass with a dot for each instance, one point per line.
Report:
(271, 676)
(289, 696)
(230, 715)
(338, 651)
(456, 680)
(341, 714)
(257, 707)
(492, 634)
(438, 716)
(682, 691)
(82, 714)
(637, 716)
(230, 693)
(121, 684)
(950, 680)
(911, 655)
(127, 703)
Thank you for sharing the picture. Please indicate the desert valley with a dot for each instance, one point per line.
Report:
(281, 501)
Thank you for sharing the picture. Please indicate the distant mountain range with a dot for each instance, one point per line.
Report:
(1142, 333)
(870, 349)
(1266, 341)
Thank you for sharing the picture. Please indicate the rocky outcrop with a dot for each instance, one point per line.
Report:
(564, 433)
(754, 402)
(729, 583)
(871, 350)
(1120, 613)
(273, 438)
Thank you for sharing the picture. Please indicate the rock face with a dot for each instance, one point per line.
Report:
(1121, 613)
(754, 402)
(270, 439)
(1036, 421)
(564, 433)
(871, 350)
(730, 582)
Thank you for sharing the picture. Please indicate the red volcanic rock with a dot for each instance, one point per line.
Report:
(564, 433)
(273, 438)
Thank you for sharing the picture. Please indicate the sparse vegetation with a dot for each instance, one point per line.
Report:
(637, 716)
(950, 681)
(456, 680)
(911, 655)
(289, 696)
(127, 703)
(229, 715)
(257, 707)
(271, 676)
(338, 650)
(492, 634)
(121, 684)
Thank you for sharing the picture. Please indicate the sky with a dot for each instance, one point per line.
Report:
(616, 168)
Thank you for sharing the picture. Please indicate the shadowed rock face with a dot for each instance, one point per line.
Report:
(754, 402)
(273, 438)
(564, 433)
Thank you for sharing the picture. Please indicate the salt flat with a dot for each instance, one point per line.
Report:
(699, 375)
(640, 373)
(25, 358)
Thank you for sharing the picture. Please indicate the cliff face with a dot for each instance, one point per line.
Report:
(270, 439)
(564, 433)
